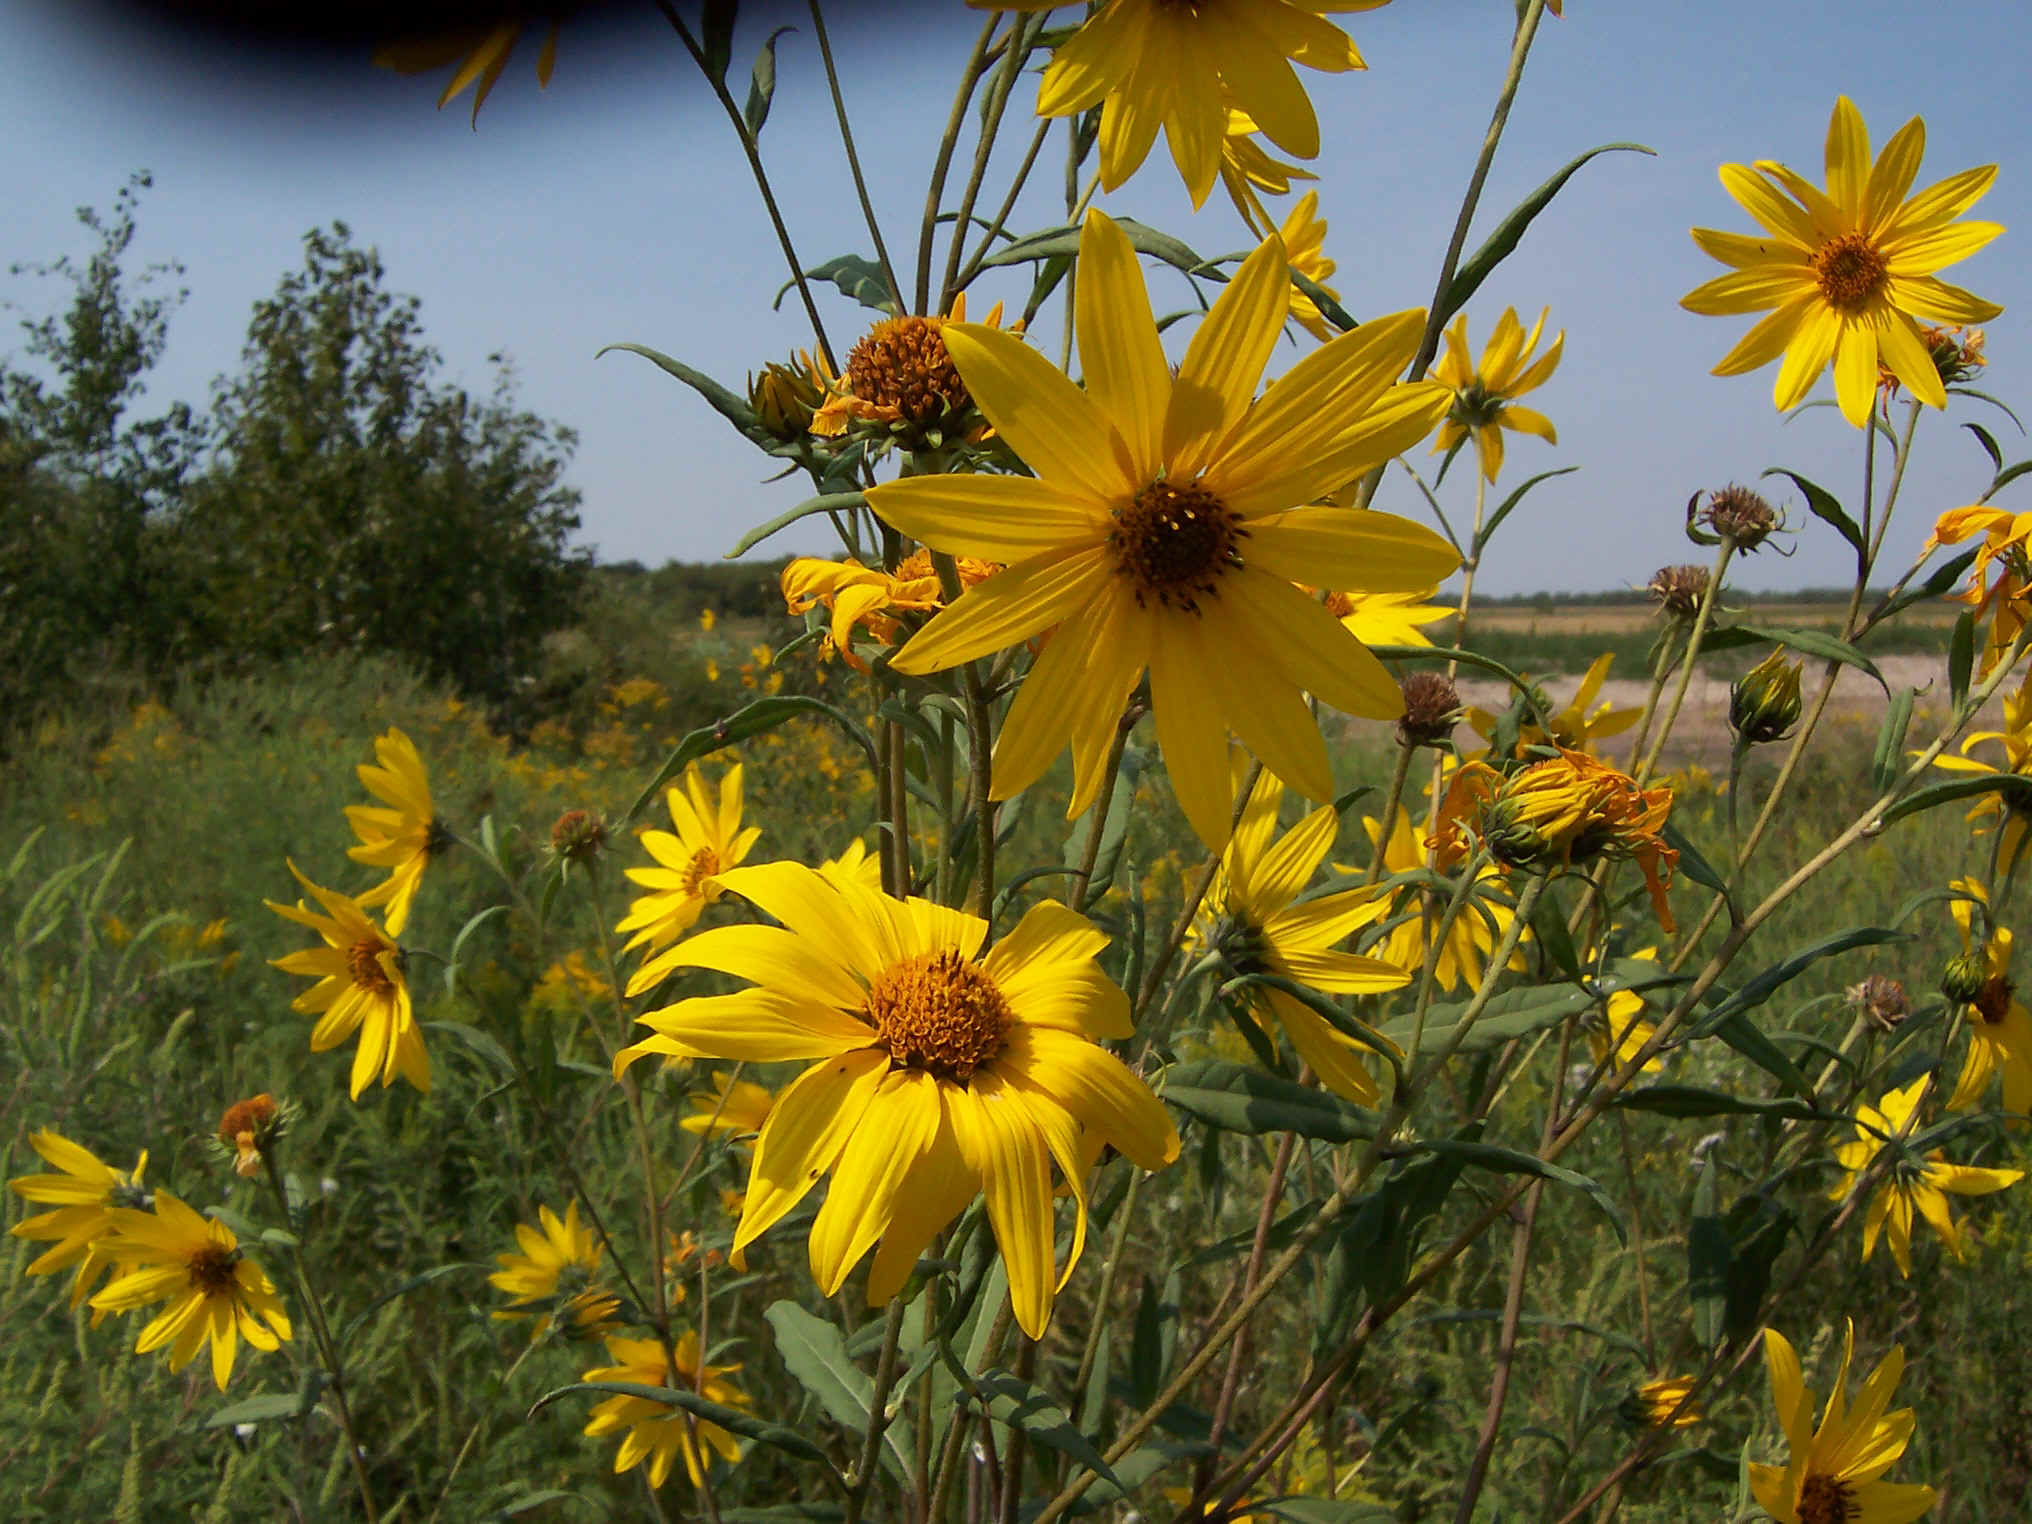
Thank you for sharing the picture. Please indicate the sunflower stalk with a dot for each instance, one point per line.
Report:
(825, 52)
(878, 1411)
(1689, 661)
(970, 76)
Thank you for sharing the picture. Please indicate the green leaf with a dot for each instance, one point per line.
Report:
(1887, 762)
(1114, 829)
(785, 1513)
(1707, 1256)
(1512, 1161)
(2005, 477)
(1822, 505)
(1989, 443)
(1938, 581)
(716, 37)
(825, 502)
(815, 1352)
(1737, 1031)
(1455, 654)
(762, 84)
(1695, 1101)
(1758, 1228)
(1812, 642)
(1008, 1398)
(1326, 1511)
(856, 276)
(451, 968)
(1500, 244)
(1691, 862)
(1154, 1338)
(730, 407)
(1694, 532)
(2017, 791)
(762, 715)
(1239, 1098)
(1329, 309)
(1064, 241)
(1509, 503)
(1961, 657)
(413, 1283)
(1548, 925)
(1518, 1013)
(1995, 402)
(734, 1420)
(263, 1408)
(1765, 984)
(529, 1502)
(1372, 1254)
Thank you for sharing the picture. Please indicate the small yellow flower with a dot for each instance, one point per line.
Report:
(1484, 396)
(1912, 1184)
(855, 865)
(1652, 1404)
(1999, 1028)
(2006, 602)
(869, 598)
(732, 1107)
(1246, 169)
(1847, 269)
(1831, 1474)
(1579, 726)
(360, 988)
(707, 619)
(559, 1267)
(709, 841)
(659, 1432)
(84, 1193)
(405, 836)
(1622, 1029)
(1388, 619)
(1304, 235)
(1470, 941)
(216, 1294)
(2015, 740)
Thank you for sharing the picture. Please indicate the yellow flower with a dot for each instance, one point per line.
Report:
(84, 1195)
(709, 841)
(1999, 1028)
(1622, 1029)
(1830, 1475)
(1150, 63)
(1165, 531)
(403, 838)
(659, 1432)
(732, 1107)
(215, 1294)
(558, 1266)
(481, 53)
(1913, 1184)
(1388, 619)
(1654, 1401)
(855, 865)
(868, 597)
(1483, 398)
(1247, 169)
(2007, 601)
(901, 380)
(1249, 917)
(1470, 941)
(360, 988)
(1848, 269)
(1304, 235)
(2016, 740)
(940, 1074)
(1578, 726)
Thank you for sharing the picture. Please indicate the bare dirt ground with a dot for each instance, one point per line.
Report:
(1702, 735)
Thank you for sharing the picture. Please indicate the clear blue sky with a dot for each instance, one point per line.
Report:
(616, 206)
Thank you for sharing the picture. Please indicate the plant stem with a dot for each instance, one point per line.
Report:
(878, 1418)
(825, 51)
(1016, 47)
(1689, 659)
(1399, 771)
(927, 228)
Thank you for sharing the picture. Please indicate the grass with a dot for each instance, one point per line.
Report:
(137, 1001)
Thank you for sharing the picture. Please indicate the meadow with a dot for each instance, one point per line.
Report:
(140, 837)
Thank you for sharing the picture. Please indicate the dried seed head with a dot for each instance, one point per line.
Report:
(1882, 999)
(1432, 707)
(579, 836)
(1736, 513)
(1678, 590)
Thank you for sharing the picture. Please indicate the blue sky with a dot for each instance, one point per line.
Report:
(616, 206)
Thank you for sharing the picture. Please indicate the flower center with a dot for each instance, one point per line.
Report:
(937, 1011)
(1850, 272)
(363, 962)
(211, 1269)
(902, 363)
(1827, 1500)
(1340, 605)
(705, 862)
(1173, 542)
(1993, 1000)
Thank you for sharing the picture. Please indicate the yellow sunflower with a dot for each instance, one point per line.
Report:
(1621, 1029)
(402, 838)
(1576, 727)
(1472, 938)
(2015, 739)
(1249, 917)
(868, 597)
(1913, 1184)
(855, 865)
(558, 1266)
(360, 988)
(215, 1293)
(1151, 64)
(84, 1193)
(658, 1432)
(481, 53)
(1388, 619)
(2007, 601)
(1246, 169)
(1166, 530)
(1845, 271)
(732, 1107)
(1999, 1027)
(1484, 396)
(940, 1075)
(1652, 1405)
(1830, 1475)
(709, 841)
(1304, 235)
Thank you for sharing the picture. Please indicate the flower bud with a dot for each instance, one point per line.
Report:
(250, 1129)
(1432, 707)
(579, 836)
(1764, 702)
(785, 397)
(1965, 976)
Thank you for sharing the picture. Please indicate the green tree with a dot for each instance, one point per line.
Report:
(354, 500)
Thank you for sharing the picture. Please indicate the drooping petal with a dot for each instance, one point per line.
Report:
(1192, 732)
(1335, 1059)
(1312, 648)
(1806, 356)
(901, 1121)
(1002, 1146)
(1097, 1087)
(938, 1185)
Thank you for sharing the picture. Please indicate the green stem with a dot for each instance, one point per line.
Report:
(1016, 49)
(878, 1417)
(927, 228)
(825, 50)
(1689, 660)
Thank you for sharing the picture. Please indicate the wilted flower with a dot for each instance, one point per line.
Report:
(901, 386)
(1432, 707)
(250, 1129)
(578, 836)
(870, 598)
(1678, 590)
(1738, 514)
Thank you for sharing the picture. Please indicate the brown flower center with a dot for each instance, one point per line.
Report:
(363, 962)
(704, 863)
(211, 1269)
(902, 363)
(1827, 1500)
(1340, 605)
(1850, 272)
(937, 1011)
(1993, 1000)
(1173, 542)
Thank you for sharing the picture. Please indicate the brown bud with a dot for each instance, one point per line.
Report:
(579, 836)
(1432, 707)
(1736, 513)
(1882, 999)
(1678, 590)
